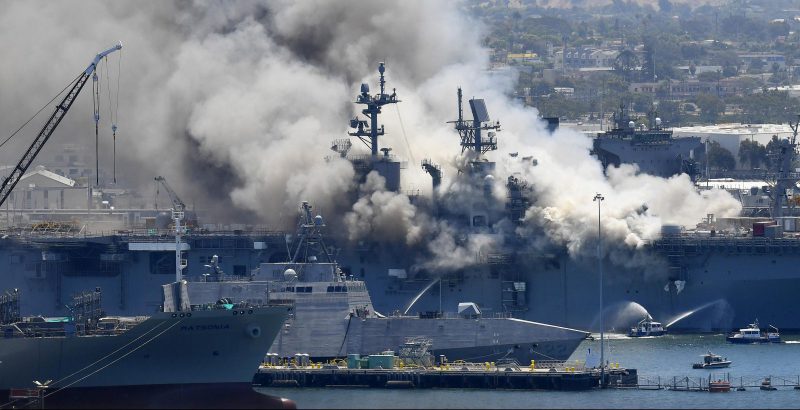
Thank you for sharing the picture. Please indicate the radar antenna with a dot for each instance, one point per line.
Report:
(471, 131)
(369, 132)
(309, 232)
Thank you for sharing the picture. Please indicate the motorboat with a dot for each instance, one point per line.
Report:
(647, 327)
(753, 334)
(712, 361)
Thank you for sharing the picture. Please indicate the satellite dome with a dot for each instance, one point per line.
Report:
(318, 220)
(658, 121)
(289, 274)
(631, 124)
(489, 178)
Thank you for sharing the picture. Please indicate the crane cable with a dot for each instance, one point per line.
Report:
(96, 108)
(113, 108)
(40, 110)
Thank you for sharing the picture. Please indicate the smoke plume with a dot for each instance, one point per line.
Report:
(236, 104)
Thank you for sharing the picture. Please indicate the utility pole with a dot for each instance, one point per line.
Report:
(599, 198)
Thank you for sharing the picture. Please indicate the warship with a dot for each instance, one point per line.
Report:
(333, 314)
(699, 278)
(652, 148)
(184, 356)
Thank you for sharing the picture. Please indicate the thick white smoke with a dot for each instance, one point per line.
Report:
(236, 103)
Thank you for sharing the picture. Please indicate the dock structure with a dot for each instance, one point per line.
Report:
(465, 375)
(704, 383)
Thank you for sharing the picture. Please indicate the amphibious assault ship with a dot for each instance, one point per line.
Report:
(653, 148)
(695, 279)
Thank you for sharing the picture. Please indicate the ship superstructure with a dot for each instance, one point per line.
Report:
(652, 148)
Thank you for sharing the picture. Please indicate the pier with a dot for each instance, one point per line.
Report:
(459, 375)
(702, 383)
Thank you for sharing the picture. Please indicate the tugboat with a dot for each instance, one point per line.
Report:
(766, 384)
(753, 334)
(647, 327)
(712, 361)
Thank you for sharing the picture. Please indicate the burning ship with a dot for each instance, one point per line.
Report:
(709, 275)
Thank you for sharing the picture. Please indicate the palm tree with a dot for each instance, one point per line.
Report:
(625, 63)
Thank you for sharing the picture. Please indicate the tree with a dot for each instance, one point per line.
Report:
(752, 153)
(669, 112)
(710, 106)
(625, 63)
(729, 70)
(773, 149)
(709, 76)
(719, 157)
(756, 66)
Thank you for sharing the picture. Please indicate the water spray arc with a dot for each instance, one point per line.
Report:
(419, 295)
(693, 311)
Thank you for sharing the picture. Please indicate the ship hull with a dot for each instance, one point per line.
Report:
(173, 396)
(719, 276)
(167, 352)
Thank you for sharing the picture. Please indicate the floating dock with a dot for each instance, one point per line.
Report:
(467, 375)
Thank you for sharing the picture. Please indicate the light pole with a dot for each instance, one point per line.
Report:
(599, 198)
(41, 388)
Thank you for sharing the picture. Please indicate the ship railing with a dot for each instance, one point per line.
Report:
(454, 315)
(557, 364)
(147, 235)
(236, 306)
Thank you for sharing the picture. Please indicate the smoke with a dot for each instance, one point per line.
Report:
(236, 104)
(384, 214)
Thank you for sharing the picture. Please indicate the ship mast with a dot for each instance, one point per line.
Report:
(369, 133)
(471, 131)
(309, 232)
(785, 178)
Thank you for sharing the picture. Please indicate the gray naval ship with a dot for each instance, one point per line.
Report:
(184, 356)
(653, 148)
(334, 316)
(703, 280)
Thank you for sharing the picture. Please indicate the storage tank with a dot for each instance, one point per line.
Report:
(381, 361)
(354, 361)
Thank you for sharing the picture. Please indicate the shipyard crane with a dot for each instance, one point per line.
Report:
(178, 208)
(177, 204)
(52, 123)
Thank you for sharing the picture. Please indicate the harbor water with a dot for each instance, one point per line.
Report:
(658, 359)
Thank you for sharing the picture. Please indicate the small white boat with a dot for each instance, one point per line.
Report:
(712, 361)
(753, 334)
(647, 327)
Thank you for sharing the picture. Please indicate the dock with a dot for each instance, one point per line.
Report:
(461, 375)
(703, 383)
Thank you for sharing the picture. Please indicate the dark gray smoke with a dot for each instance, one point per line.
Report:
(236, 104)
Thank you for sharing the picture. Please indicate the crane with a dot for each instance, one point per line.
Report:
(177, 216)
(50, 126)
(177, 204)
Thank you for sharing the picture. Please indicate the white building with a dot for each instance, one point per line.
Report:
(43, 189)
(729, 136)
